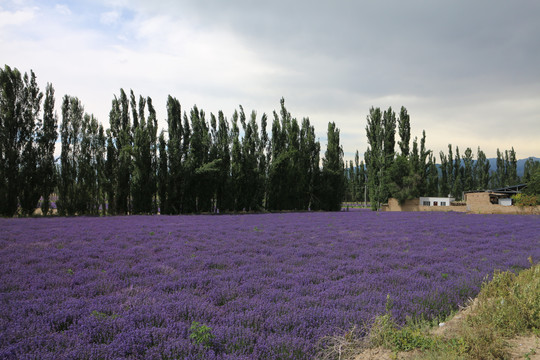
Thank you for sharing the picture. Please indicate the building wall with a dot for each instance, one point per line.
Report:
(414, 205)
(479, 203)
(476, 203)
(439, 200)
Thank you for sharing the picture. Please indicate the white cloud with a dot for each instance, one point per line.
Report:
(62, 9)
(110, 17)
(16, 18)
(330, 65)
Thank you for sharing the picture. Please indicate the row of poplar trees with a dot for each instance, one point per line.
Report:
(413, 171)
(27, 141)
(199, 164)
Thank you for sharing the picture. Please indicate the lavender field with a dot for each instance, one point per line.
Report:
(265, 286)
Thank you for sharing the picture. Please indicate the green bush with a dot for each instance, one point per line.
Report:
(201, 334)
(511, 303)
(508, 305)
(526, 199)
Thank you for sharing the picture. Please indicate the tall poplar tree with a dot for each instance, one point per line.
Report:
(309, 172)
(143, 186)
(499, 180)
(374, 158)
(152, 126)
(47, 140)
(111, 170)
(481, 171)
(124, 144)
(432, 184)
(511, 165)
(278, 167)
(444, 190)
(29, 172)
(333, 176)
(174, 151)
(70, 132)
(163, 175)
(236, 164)
(404, 127)
(89, 167)
(530, 168)
(450, 171)
(11, 143)
(263, 159)
(457, 189)
(20, 128)
(468, 179)
(251, 199)
(223, 189)
(362, 180)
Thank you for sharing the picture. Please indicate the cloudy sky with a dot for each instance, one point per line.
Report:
(467, 71)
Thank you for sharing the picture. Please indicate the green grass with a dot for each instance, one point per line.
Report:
(507, 306)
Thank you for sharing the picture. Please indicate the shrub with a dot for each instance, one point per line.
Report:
(526, 199)
(201, 334)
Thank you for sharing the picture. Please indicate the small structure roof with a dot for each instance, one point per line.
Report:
(514, 189)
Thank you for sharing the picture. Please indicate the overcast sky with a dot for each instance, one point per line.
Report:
(468, 72)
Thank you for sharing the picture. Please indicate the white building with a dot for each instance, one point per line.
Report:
(436, 201)
(505, 201)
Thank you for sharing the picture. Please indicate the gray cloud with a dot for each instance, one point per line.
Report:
(467, 71)
(472, 64)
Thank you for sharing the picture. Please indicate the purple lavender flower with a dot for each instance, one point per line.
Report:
(267, 286)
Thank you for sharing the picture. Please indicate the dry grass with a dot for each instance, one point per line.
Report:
(502, 323)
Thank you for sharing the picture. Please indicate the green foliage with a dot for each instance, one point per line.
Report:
(46, 142)
(356, 178)
(386, 333)
(468, 181)
(526, 199)
(143, 174)
(508, 305)
(404, 182)
(70, 132)
(204, 166)
(24, 140)
(294, 176)
(11, 88)
(404, 127)
(532, 177)
(531, 166)
(506, 171)
(162, 175)
(333, 176)
(119, 117)
(481, 171)
(201, 334)
(374, 158)
(29, 163)
(510, 302)
(104, 315)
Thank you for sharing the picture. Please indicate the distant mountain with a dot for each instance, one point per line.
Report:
(493, 165)
(520, 164)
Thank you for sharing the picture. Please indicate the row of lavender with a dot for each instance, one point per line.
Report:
(263, 286)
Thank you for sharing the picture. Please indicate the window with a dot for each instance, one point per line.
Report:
(443, 203)
(426, 203)
(434, 203)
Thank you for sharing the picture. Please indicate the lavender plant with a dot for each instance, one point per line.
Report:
(132, 287)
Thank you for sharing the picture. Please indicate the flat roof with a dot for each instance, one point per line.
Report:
(514, 189)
